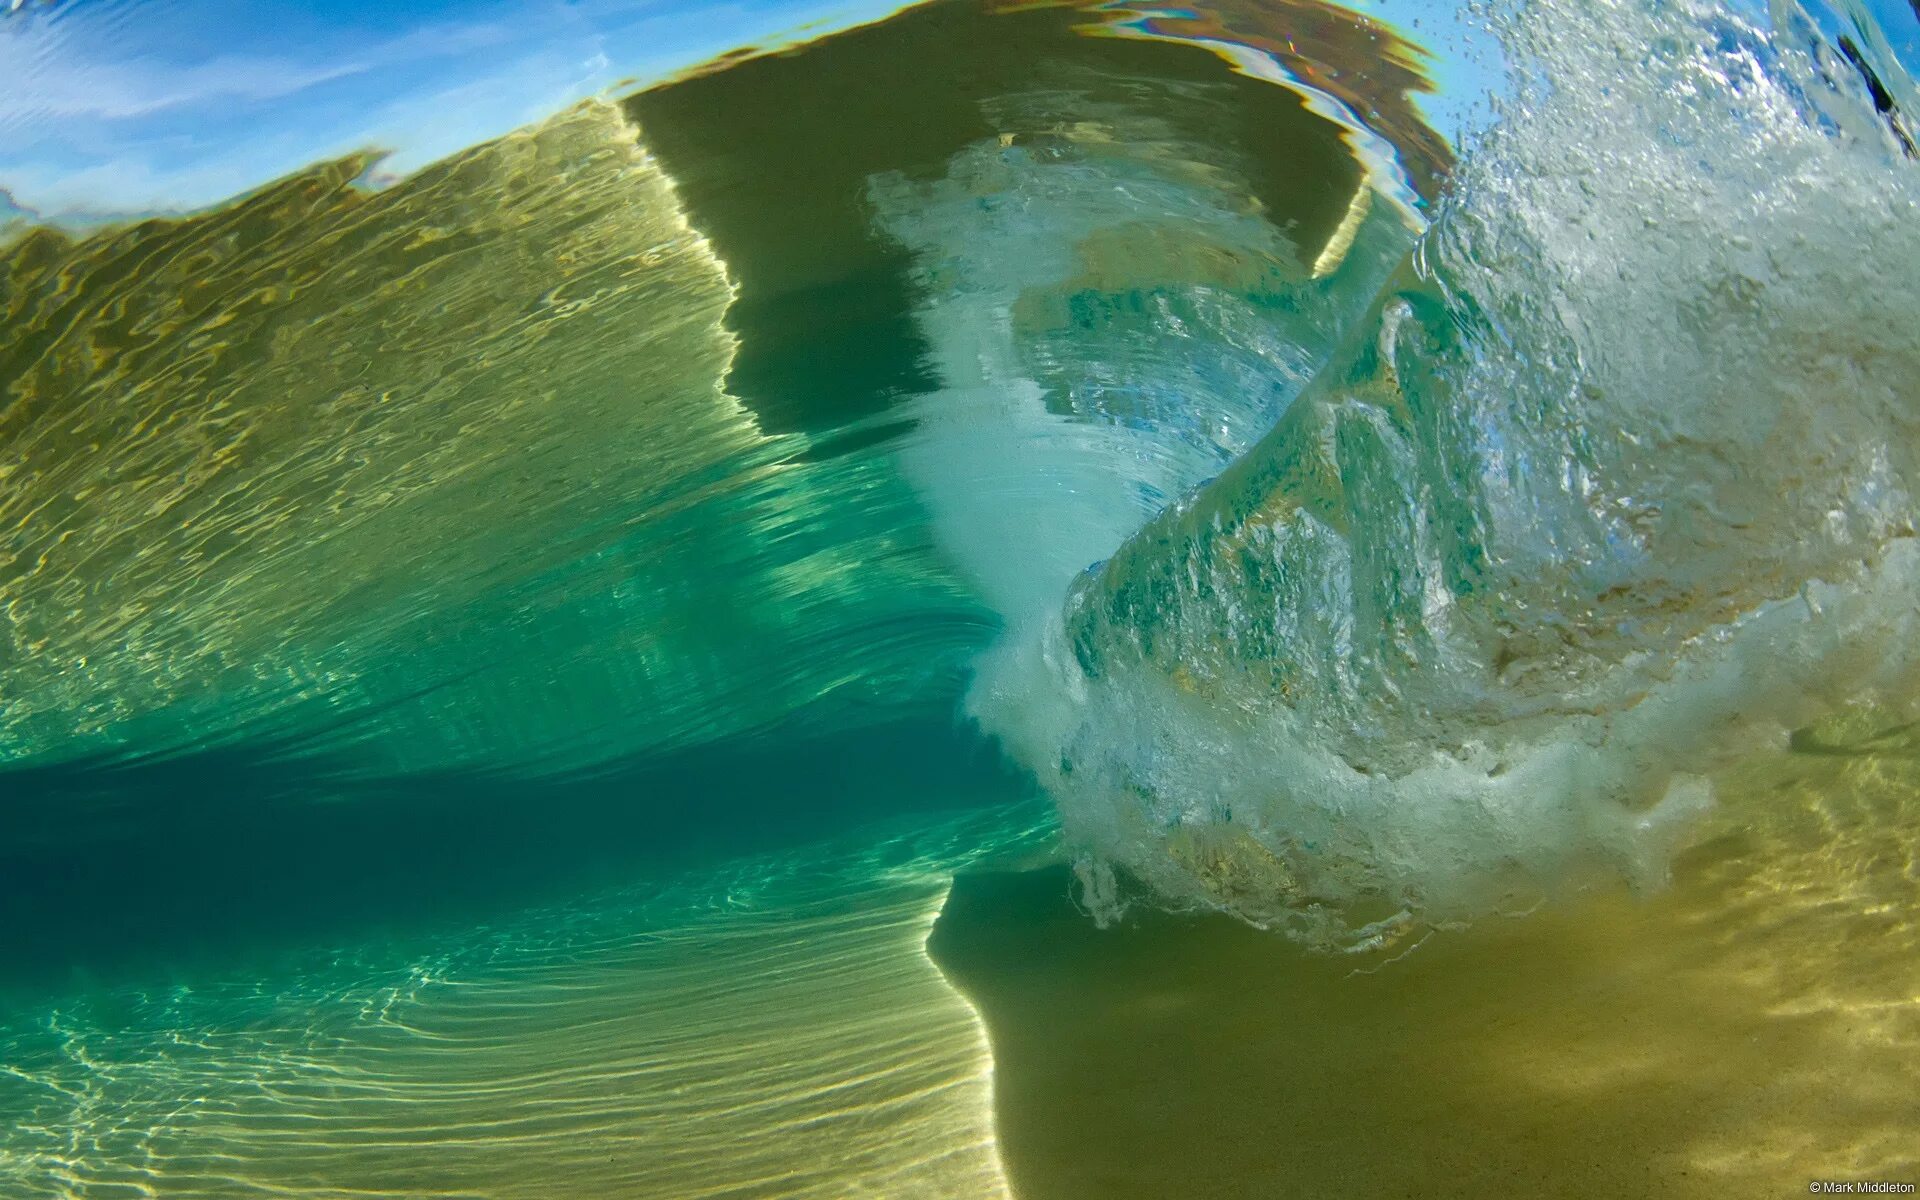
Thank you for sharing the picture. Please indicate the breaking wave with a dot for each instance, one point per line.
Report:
(1610, 487)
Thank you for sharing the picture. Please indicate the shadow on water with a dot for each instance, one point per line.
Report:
(1746, 1031)
(772, 156)
(208, 855)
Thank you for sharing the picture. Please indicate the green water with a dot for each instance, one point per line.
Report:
(1017, 602)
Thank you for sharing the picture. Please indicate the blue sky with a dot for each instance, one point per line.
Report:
(119, 106)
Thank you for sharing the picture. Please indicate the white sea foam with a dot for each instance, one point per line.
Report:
(1613, 486)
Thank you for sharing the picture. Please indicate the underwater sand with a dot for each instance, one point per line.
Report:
(1752, 1028)
(772, 1029)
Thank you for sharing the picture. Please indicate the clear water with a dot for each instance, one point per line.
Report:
(1011, 600)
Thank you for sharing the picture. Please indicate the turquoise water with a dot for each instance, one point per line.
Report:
(506, 656)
